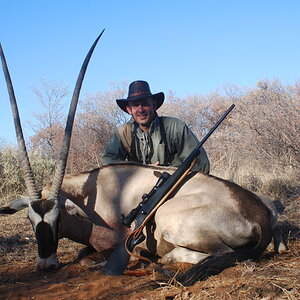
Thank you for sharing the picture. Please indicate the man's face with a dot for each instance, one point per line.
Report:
(142, 111)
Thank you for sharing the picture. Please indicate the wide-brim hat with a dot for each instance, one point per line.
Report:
(139, 90)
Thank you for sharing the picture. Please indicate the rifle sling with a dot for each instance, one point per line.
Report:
(145, 218)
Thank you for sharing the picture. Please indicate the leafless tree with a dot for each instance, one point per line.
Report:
(269, 114)
(48, 124)
(258, 139)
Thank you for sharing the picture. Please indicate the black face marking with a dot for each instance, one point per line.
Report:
(7, 210)
(41, 207)
(47, 242)
(46, 235)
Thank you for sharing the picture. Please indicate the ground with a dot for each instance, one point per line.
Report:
(273, 277)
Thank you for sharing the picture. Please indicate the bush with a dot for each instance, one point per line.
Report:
(257, 145)
(12, 182)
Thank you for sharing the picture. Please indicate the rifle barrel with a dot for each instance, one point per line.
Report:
(172, 180)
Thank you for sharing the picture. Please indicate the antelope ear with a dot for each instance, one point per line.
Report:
(14, 206)
(74, 210)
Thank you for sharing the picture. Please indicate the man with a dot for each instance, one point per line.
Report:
(148, 138)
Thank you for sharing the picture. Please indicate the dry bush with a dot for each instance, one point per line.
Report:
(257, 145)
(95, 123)
(12, 182)
(264, 149)
(11, 177)
(48, 140)
(269, 115)
(191, 110)
(89, 138)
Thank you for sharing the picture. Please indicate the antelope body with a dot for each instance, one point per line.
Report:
(208, 221)
(207, 216)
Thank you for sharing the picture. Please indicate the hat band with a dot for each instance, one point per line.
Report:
(139, 94)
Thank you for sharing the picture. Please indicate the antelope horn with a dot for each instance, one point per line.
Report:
(28, 174)
(62, 162)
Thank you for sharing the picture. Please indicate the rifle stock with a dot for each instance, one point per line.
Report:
(117, 261)
(119, 258)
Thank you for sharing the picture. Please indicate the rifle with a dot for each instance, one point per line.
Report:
(164, 187)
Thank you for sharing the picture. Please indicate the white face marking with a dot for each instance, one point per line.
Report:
(51, 218)
(50, 262)
(75, 210)
(34, 217)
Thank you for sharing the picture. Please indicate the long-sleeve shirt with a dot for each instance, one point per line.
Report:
(168, 140)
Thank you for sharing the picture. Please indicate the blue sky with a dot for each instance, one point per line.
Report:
(189, 47)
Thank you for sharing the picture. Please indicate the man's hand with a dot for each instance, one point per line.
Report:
(155, 164)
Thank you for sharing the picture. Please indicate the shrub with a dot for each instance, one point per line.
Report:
(12, 182)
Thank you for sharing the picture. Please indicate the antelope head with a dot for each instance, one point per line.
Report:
(44, 213)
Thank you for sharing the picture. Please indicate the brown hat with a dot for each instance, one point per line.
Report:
(139, 90)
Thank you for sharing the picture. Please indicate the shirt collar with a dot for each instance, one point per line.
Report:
(153, 125)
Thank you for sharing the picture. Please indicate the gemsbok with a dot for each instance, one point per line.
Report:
(210, 222)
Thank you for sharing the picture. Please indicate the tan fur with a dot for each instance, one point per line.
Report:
(205, 215)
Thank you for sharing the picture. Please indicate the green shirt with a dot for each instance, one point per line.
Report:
(169, 142)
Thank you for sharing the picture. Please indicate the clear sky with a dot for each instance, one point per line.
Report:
(189, 47)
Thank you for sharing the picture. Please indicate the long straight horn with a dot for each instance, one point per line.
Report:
(28, 174)
(62, 162)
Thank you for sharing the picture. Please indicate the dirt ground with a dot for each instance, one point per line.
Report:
(273, 277)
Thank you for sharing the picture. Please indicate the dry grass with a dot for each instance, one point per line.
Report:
(273, 277)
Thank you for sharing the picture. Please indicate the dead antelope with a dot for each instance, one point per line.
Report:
(210, 222)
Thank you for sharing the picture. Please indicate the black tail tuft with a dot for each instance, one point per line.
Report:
(212, 265)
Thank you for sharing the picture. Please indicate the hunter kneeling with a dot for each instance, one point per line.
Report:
(148, 138)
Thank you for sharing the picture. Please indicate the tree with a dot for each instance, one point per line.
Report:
(270, 116)
(96, 121)
(49, 124)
